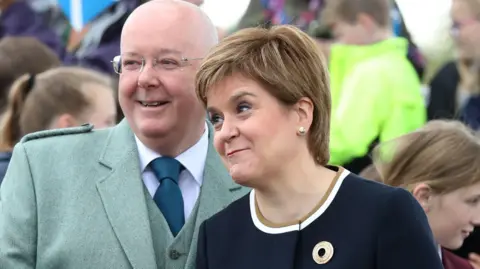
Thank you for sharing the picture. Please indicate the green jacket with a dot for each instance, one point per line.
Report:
(376, 95)
(74, 198)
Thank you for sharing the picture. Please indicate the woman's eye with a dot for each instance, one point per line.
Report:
(215, 119)
(473, 201)
(242, 107)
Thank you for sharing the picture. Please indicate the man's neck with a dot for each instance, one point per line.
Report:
(380, 35)
(174, 144)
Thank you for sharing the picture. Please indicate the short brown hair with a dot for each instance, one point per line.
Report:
(349, 10)
(34, 101)
(287, 62)
(443, 154)
(19, 56)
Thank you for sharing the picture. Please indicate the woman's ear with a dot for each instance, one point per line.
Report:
(423, 193)
(304, 109)
(64, 121)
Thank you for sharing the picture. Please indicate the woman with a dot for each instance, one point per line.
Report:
(58, 98)
(457, 81)
(267, 95)
(440, 165)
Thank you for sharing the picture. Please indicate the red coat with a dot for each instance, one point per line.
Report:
(452, 261)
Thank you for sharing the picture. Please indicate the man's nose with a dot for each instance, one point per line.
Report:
(148, 77)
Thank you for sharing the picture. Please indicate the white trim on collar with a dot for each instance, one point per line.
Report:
(308, 221)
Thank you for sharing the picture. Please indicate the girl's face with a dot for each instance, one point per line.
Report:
(452, 216)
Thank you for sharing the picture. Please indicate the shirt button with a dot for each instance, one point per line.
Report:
(174, 255)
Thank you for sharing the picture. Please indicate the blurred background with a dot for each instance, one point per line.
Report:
(428, 22)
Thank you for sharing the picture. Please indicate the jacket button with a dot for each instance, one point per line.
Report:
(174, 255)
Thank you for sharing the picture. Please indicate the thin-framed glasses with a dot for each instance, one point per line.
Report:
(132, 63)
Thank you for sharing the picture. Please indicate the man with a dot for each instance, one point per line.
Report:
(78, 198)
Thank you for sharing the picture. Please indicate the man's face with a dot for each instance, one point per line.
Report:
(159, 99)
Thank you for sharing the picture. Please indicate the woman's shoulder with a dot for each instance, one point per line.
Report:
(358, 186)
(232, 214)
(375, 198)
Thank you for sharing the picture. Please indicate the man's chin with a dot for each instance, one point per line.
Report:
(152, 129)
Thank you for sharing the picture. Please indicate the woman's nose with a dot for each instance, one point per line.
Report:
(228, 130)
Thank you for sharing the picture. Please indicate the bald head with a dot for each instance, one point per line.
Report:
(184, 17)
(161, 47)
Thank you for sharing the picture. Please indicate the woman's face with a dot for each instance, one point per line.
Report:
(452, 216)
(465, 30)
(254, 133)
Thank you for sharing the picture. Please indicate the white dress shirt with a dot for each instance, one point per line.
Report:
(190, 179)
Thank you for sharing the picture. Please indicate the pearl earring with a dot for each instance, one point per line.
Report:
(302, 131)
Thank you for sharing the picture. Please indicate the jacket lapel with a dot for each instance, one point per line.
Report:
(122, 194)
(218, 189)
(217, 192)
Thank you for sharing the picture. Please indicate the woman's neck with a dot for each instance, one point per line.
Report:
(291, 196)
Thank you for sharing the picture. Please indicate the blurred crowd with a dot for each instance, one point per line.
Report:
(53, 76)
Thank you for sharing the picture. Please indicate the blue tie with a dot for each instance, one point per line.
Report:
(168, 196)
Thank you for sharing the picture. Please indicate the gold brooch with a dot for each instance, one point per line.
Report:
(322, 252)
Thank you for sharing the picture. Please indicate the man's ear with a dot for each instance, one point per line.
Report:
(366, 21)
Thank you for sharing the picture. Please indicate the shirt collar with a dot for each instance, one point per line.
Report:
(193, 159)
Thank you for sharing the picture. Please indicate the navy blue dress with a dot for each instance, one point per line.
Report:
(359, 224)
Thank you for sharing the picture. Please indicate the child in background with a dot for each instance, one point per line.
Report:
(439, 164)
(376, 92)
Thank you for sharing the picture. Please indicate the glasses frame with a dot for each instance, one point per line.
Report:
(117, 60)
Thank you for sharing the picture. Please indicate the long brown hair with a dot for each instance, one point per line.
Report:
(34, 101)
(443, 154)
